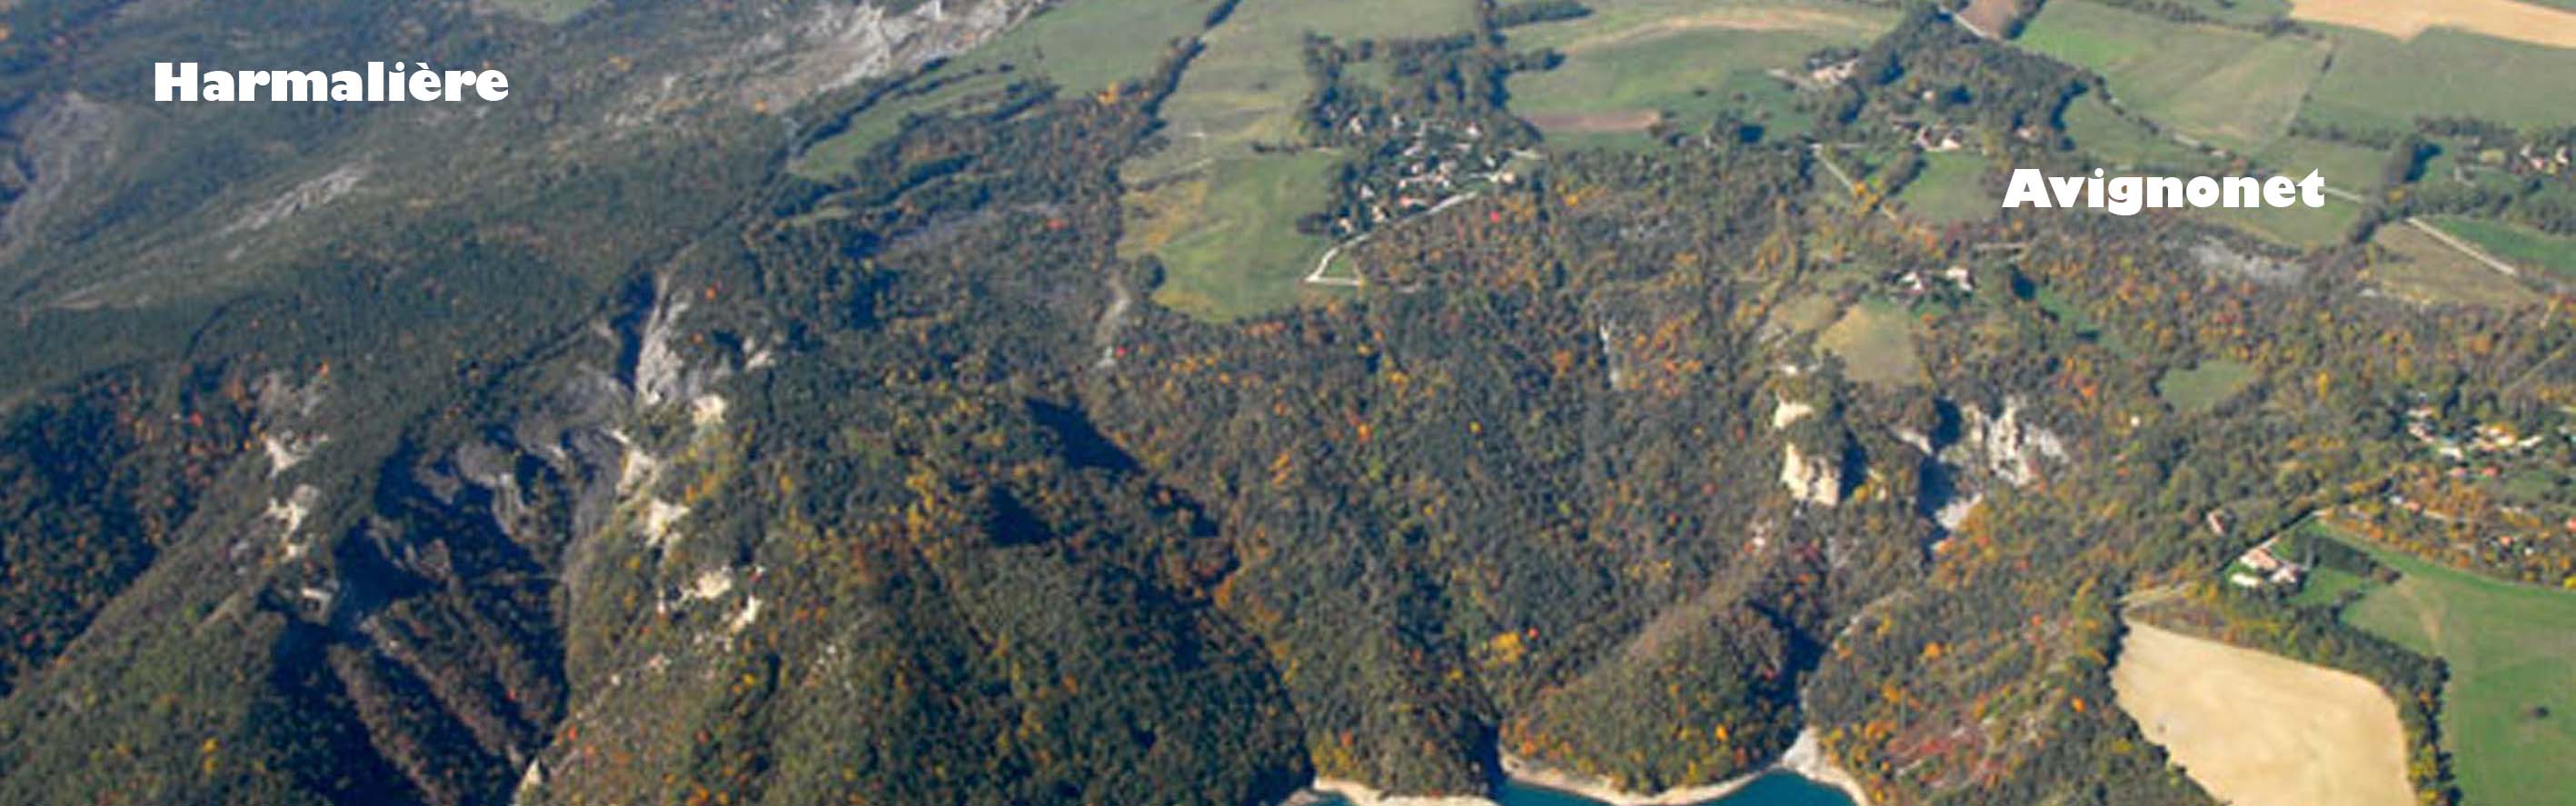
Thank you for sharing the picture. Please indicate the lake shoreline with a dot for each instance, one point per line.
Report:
(1805, 758)
(1359, 794)
(1538, 774)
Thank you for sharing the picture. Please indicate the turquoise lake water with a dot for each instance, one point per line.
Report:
(1772, 789)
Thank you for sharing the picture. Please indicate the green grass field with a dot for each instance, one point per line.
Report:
(2220, 85)
(1689, 59)
(1082, 46)
(1220, 216)
(1246, 86)
(2346, 167)
(2511, 649)
(2378, 82)
(2074, 317)
(2325, 585)
(2128, 144)
(2516, 244)
(2239, 12)
(1875, 340)
(1767, 101)
(1235, 251)
(2205, 385)
(1948, 191)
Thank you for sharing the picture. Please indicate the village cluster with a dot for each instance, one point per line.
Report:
(2484, 440)
(1424, 164)
(2263, 565)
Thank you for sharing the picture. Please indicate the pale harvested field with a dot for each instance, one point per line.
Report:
(2419, 268)
(2404, 19)
(1990, 16)
(2257, 729)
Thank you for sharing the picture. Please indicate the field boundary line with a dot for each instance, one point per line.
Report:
(2464, 248)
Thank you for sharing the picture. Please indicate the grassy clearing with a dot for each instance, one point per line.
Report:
(2516, 244)
(2221, 85)
(1686, 59)
(2412, 264)
(2205, 385)
(1948, 190)
(1229, 243)
(2257, 728)
(2511, 649)
(2067, 312)
(1807, 314)
(1769, 102)
(1221, 216)
(2379, 82)
(2326, 585)
(1246, 86)
(550, 12)
(1081, 46)
(1875, 340)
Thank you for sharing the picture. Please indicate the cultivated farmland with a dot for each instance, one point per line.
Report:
(2127, 143)
(2416, 266)
(2522, 246)
(2381, 82)
(2261, 730)
(2406, 19)
(2347, 167)
(2216, 84)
